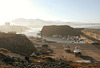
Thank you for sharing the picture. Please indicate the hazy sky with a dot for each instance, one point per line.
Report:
(64, 10)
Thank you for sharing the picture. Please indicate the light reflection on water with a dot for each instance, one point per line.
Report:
(85, 26)
(32, 32)
(60, 40)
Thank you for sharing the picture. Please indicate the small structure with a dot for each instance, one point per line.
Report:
(67, 48)
(7, 23)
(77, 51)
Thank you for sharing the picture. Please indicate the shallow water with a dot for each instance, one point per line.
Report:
(60, 40)
(32, 32)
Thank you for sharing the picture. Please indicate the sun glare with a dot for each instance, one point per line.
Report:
(11, 9)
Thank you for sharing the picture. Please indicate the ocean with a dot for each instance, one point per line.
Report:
(32, 32)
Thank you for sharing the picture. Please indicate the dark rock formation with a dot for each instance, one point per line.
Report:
(60, 30)
(16, 43)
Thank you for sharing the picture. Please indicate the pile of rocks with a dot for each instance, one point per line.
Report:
(27, 63)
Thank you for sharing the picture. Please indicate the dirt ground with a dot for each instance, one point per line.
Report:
(89, 52)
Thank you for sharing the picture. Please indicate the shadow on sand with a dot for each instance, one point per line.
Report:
(88, 58)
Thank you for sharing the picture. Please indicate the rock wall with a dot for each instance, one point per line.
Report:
(86, 39)
(94, 33)
(60, 30)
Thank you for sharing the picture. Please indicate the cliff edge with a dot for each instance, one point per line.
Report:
(60, 30)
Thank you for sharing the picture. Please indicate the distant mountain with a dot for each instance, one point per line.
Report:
(35, 22)
(22, 21)
(40, 23)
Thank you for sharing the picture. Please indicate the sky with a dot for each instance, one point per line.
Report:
(82, 11)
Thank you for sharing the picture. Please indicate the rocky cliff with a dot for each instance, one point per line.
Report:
(60, 30)
(91, 35)
(94, 33)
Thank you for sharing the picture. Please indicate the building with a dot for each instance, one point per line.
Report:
(7, 23)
